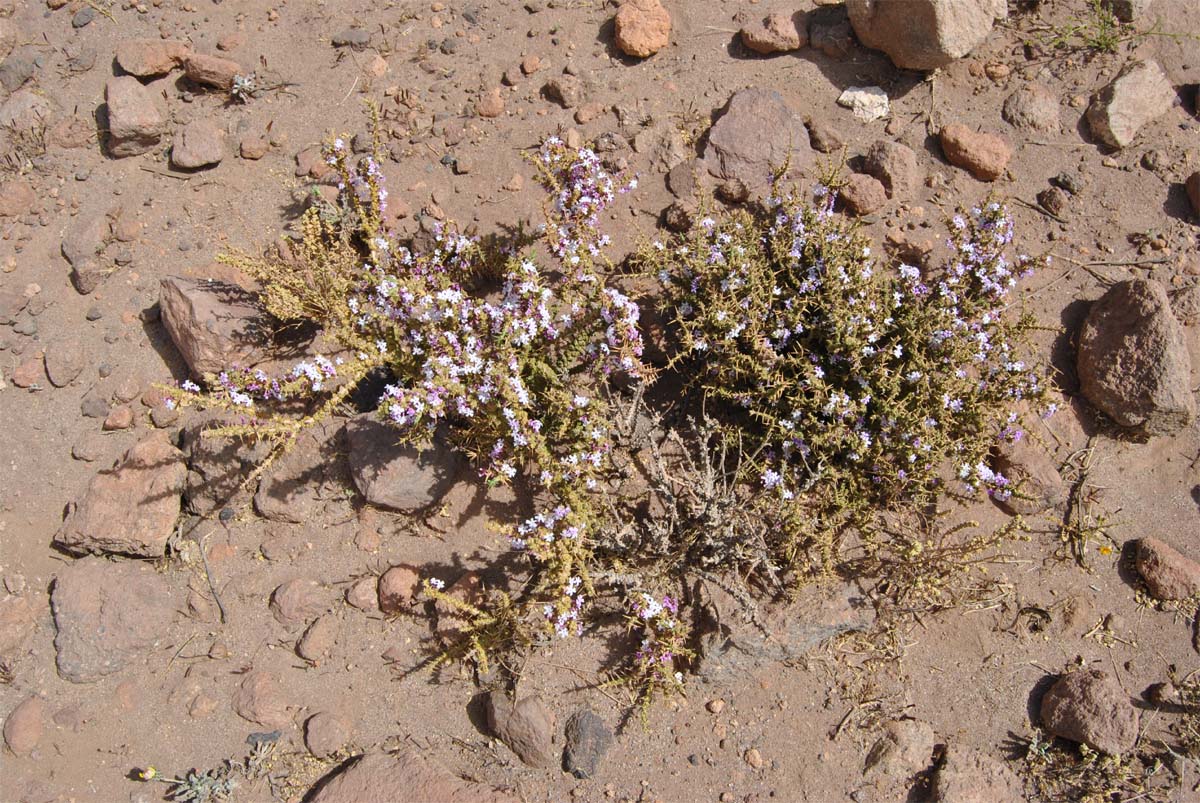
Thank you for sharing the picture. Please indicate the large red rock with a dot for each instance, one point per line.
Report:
(1088, 706)
(643, 28)
(130, 509)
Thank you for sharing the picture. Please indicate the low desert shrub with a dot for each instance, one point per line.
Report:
(855, 389)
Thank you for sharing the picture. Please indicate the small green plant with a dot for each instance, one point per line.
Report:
(1097, 31)
(656, 669)
(219, 783)
(1079, 774)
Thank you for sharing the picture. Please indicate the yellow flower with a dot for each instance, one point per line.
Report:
(148, 774)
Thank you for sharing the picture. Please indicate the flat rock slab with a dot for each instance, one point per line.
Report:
(731, 645)
(106, 615)
(404, 775)
(130, 509)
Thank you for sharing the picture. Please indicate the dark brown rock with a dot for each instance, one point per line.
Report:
(588, 738)
(395, 475)
(527, 727)
(297, 486)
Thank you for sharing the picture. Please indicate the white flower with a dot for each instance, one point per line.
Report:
(438, 584)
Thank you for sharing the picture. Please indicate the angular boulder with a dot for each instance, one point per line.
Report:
(1139, 94)
(757, 134)
(924, 34)
(130, 509)
(136, 122)
(1133, 361)
(214, 324)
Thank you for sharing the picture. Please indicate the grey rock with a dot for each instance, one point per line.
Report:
(588, 738)
(1033, 107)
(1139, 94)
